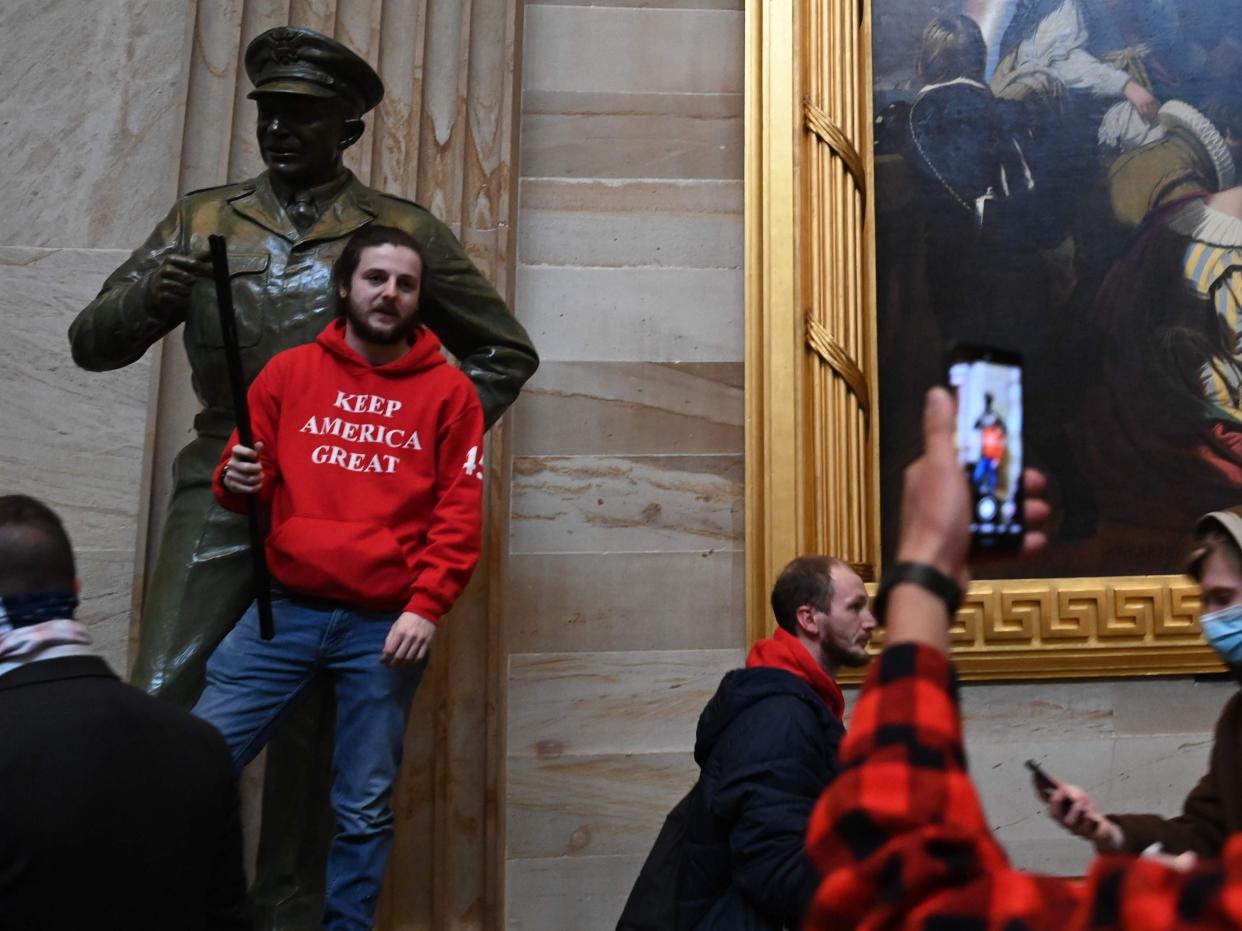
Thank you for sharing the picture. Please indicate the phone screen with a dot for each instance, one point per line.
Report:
(988, 383)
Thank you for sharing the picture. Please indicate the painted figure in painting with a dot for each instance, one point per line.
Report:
(1054, 177)
(1168, 399)
(1107, 58)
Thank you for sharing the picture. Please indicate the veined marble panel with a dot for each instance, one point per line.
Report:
(633, 50)
(633, 195)
(632, 314)
(1026, 711)
(1156, 772)
(662, 4)
(600, 504)
(91, 101)
(71, 438)
(1169, 706)
(1051, 856)
(592, 805)
(593, 408)
(572, 135)
(622, 224)
(569, 893)
(625, 601)
(1022, 711)
(571, 704)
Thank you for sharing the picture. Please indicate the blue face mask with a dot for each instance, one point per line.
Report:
(1223, 630)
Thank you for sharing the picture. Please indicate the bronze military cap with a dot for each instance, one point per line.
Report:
(292, 60)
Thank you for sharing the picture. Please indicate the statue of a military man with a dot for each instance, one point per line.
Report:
(284, 230)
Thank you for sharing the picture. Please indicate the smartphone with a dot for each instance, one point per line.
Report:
(1047, 785)
(988, 384)
(1043, 782)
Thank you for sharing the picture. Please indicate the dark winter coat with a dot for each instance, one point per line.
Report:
(766, 747)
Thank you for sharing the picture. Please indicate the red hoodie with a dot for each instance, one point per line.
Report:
(373, 473)
(785, 651)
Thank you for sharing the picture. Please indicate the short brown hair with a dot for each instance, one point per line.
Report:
(805, 581)
(35, 554)
(1213, 540)
(374, 234)
(951, 47)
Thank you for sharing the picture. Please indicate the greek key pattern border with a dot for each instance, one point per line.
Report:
(1080, 628)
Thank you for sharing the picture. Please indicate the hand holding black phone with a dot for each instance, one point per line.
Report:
(1045, 785)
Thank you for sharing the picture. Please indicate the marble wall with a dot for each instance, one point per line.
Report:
(625, 579)
(89, 148)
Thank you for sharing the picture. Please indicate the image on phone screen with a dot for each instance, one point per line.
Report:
(989, 442)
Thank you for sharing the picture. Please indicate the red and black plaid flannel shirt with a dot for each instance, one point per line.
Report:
(901, 840)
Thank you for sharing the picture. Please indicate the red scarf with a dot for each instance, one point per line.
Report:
(785, 651)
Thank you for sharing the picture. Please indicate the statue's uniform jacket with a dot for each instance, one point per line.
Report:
(283, 298)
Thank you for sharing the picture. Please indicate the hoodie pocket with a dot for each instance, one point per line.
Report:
(351, 561)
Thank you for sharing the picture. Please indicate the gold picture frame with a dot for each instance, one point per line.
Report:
(812, 469)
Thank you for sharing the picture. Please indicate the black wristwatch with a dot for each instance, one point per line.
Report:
(922, 575)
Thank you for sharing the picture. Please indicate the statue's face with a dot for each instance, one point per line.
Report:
(301, 138)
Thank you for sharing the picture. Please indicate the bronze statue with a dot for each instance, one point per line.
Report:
(284, 229)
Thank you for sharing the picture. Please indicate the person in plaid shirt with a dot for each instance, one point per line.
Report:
(900, 838)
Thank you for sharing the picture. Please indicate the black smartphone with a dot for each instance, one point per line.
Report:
(988, 384)
(1043, 782)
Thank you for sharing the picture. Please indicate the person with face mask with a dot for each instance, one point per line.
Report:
(1213, 809)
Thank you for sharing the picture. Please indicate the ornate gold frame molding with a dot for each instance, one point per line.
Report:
(812, 467)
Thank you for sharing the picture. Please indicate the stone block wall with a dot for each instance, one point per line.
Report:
(90, 103)
(625, 574)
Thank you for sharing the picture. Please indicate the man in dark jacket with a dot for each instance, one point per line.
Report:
(767, 747)
(117, 811)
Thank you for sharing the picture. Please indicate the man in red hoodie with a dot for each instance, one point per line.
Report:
(368, 453)
(767, 747)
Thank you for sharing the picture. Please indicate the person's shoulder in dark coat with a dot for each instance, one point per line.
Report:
(767, 747)
(116, 810)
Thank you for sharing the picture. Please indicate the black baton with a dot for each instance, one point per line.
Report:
(232, 354)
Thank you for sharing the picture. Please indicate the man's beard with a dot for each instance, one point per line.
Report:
(369, 334)
(846, 658)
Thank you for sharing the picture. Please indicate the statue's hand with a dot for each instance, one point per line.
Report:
(168, 287)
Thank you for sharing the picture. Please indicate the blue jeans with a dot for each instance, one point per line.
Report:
(253, 684)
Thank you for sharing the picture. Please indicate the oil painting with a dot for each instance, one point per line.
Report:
(1061, 178)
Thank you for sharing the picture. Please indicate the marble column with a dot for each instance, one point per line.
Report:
(624, 590)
